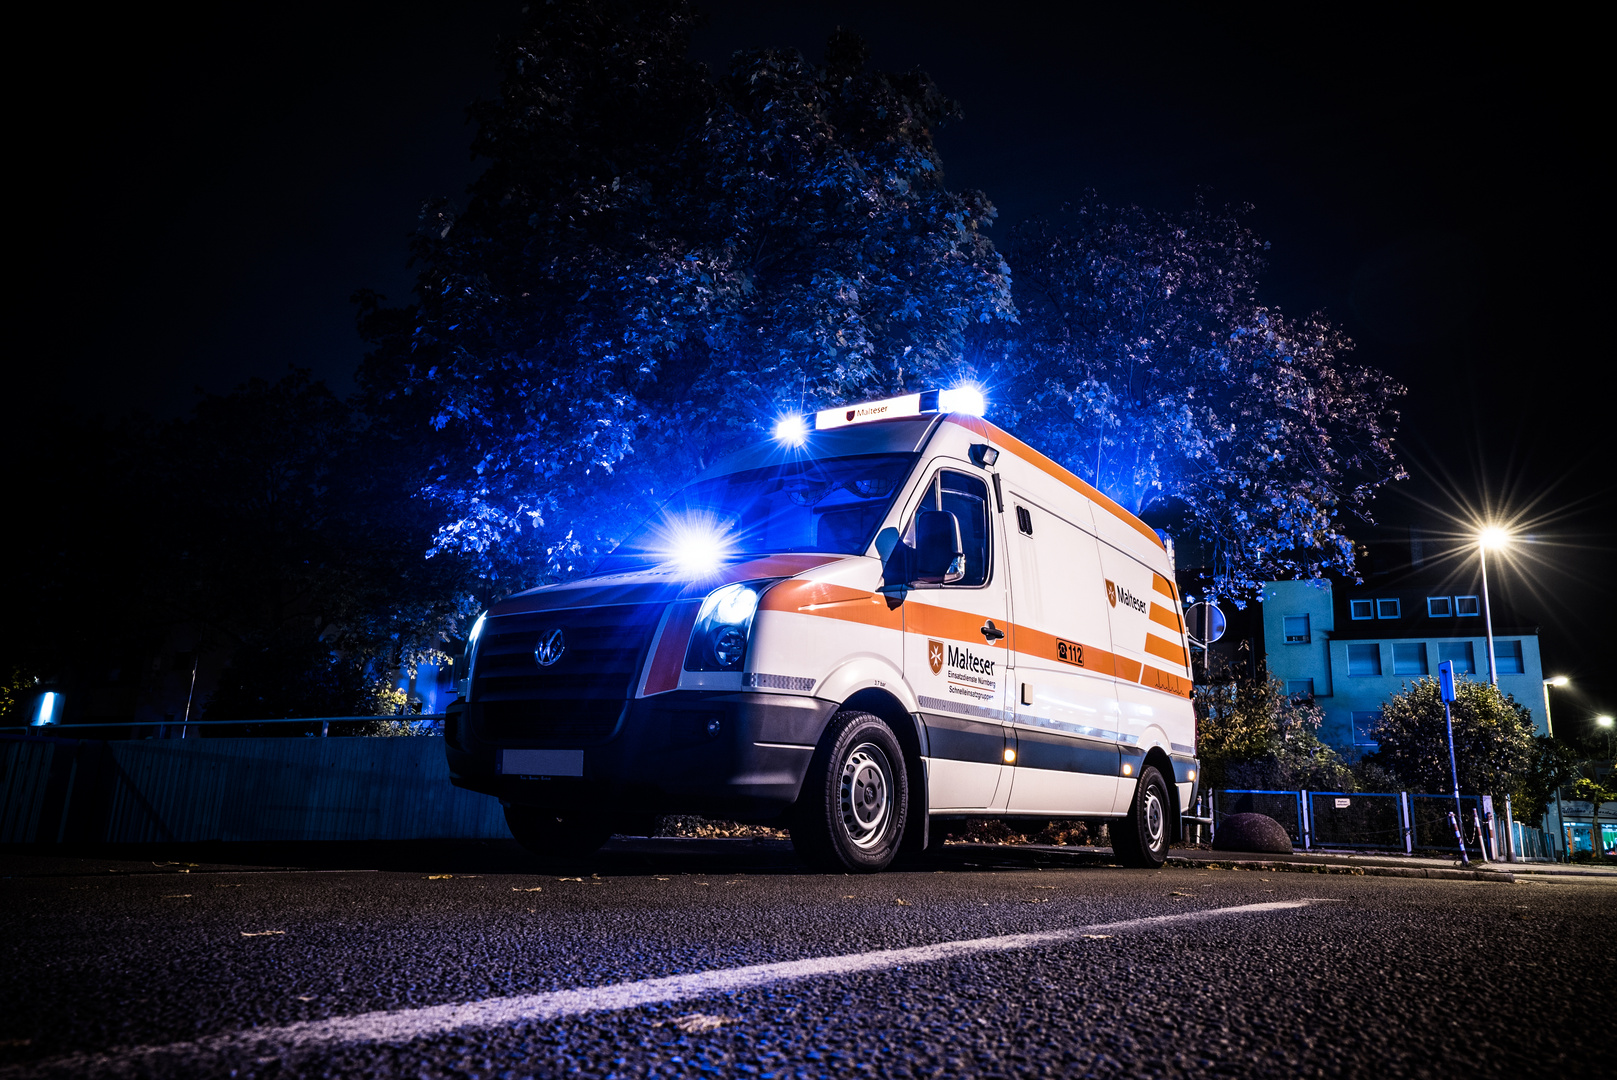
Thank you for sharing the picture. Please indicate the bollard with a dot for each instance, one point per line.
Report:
(1482, 843)
(1458, 839)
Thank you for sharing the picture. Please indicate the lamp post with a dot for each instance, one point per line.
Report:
(1549, 726)
(1606, 723)
(1491, 537)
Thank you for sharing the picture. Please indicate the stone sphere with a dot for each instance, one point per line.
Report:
(1252, 832)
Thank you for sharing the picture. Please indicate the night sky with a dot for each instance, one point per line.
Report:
(205, 191)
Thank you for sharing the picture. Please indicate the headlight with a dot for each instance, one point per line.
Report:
(469, 658)
(719, 639)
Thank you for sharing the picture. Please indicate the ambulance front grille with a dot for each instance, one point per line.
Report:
(580, 697)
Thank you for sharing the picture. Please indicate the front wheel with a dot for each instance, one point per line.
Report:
(851, 813)
(1141, 839)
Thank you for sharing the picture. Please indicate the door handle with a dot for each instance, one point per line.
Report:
(992, 632)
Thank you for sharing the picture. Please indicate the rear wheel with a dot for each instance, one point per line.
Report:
(1141, 839)
(851, 813)
(552, 834)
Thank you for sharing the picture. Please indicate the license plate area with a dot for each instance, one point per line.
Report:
(542, 762)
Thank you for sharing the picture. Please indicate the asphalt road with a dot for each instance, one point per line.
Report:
(471, 961)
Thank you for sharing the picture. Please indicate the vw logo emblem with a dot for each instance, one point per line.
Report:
(550, 648)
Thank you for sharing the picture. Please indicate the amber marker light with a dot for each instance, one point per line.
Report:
(1010, 756)
(1128, 770)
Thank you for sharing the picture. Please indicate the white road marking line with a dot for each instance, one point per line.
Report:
(403, 1025)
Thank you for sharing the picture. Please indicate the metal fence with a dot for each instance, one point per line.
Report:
(56, 790)
(1381, 821)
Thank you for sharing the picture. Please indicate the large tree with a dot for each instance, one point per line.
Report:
(1144, 362)
(656, 261)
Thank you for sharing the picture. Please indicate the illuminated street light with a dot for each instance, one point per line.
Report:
(1549, 726)
(1556, 681)
(1491, 537)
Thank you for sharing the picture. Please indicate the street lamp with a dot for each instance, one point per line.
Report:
(1491, 537)
(1556, 681)
(1549, 726)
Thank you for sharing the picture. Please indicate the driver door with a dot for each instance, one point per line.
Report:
(956, 651)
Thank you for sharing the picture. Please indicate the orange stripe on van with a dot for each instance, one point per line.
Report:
(833, 602)
(1166, 617)
(669, 659)
(1165, 649)
(1163, 585)
(977, 425)
(844, 604)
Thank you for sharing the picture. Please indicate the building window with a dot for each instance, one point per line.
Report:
(1457, 653)
(1387, 609)
(1300, 689)
(1296, 629)
(1409, 658)
(1363, 723)
(1439, 607)
(1362, 609)
(1508, 654)
(1364, 658)
(1467, 605)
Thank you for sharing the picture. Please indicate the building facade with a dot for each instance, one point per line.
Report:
(1351, 647)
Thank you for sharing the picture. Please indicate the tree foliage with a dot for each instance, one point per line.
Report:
(657, 260)
(1144, 362)
(1250, 734)
(1493, 738)
(293, 544)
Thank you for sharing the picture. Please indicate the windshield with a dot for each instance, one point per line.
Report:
(830, 505)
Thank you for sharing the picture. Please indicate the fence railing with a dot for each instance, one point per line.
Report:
(308, 726)
(1385, 821)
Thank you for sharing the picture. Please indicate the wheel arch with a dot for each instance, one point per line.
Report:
(1159, 757)
(906, 727)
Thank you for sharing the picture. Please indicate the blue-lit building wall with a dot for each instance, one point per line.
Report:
(1351, 648)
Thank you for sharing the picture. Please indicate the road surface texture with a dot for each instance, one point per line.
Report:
(726, 958)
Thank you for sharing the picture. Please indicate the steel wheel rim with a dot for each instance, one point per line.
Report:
(866, 795)
(1153, 816)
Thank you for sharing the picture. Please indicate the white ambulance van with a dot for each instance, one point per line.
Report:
(887, 620)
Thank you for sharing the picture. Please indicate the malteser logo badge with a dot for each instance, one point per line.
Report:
(934, 655)
(1111, 593)
(850, 413)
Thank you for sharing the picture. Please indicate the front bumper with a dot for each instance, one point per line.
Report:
(736, 755)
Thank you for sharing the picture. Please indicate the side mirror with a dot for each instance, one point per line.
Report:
(940, 557)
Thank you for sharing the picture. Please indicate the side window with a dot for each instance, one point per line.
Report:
(966, 497)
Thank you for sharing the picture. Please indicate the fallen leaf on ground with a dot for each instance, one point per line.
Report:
(536, 888)
(260, 933)
(1098, 937)
(902, 902)
(307, 997)
(1177, 893)
(569, 879)
(695, 1023)
(438, 877)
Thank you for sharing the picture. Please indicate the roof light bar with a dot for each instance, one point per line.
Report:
(966, 399)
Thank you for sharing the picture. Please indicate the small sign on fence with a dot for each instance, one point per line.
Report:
(1343, 804)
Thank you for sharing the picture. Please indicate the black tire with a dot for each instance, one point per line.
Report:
(554, 835)
(1141, 839)
(851, 813)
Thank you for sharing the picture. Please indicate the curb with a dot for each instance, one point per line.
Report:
(1441, 873)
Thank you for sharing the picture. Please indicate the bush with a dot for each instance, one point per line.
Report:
(1493, 738)
(1250, 734)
